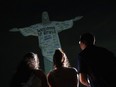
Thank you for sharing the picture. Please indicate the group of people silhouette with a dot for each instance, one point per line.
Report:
(95, 65)
(95, 68)
(29, 74)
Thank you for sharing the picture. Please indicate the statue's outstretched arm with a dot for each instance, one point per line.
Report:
(14, 30)
(77, 18)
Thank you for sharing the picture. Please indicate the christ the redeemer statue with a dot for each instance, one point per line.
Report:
(47, 33)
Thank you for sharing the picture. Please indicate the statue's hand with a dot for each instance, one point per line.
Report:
(14, 29)
(77, 18)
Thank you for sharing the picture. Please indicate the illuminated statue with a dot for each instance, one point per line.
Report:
(47, 33)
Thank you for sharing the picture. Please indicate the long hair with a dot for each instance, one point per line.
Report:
(27, 61)
(60, 59)
(24, 69)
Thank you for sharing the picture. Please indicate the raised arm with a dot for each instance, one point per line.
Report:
(77, 18)
(64, 25)
(27, 31)
(14, 30)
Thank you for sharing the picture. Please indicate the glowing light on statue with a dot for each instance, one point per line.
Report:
(47, 33)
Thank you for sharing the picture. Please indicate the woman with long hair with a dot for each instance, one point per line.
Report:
(28, 73)
(63, 75)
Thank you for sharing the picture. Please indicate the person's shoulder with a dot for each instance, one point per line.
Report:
(100, 47)
(103, 49)
(73, 69)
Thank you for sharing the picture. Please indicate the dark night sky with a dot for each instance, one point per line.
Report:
(99, 18)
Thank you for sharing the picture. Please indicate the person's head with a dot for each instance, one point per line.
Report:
(32, 61)
(86, 39)
(60, 59)
(45, 17)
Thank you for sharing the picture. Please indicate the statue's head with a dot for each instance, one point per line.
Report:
(45, 17)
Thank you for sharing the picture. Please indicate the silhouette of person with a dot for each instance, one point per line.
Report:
(28, 73)
(96, 65)
(47, 33)
(63, 75)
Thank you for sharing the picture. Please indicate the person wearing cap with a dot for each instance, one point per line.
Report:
(95, 64)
